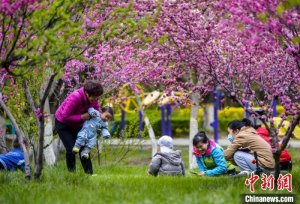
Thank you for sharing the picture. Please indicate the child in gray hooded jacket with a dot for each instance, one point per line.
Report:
(166, 161)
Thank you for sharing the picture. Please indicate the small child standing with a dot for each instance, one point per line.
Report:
(14, 159)
(87, 136)
(166, 161)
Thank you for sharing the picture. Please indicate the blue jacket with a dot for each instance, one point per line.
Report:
(87, 136)
(13, 160)
(91, 126)
(213, 162)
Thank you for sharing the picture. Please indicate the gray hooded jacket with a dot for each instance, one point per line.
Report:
(167, 164)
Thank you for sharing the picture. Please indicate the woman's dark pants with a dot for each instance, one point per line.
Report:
(68, 136)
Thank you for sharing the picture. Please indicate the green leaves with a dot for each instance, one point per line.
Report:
(286, 5)
(263, 17)
(163, 39)
(296, 40)
(292, 3)
(280, 9)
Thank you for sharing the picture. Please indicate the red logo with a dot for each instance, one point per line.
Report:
(251, 181)
(268, 182)
(283, 182)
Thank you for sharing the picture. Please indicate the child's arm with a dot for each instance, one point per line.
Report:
(182, 168)
(105, 133)
(200, 164)
(219, 159)
(155, 165)
(93, 113)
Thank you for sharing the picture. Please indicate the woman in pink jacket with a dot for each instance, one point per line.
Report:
(70, 116)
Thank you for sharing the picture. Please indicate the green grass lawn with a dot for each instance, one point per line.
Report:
(126, 182)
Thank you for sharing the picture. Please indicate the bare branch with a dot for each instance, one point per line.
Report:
(47, 90)
(16, 37)
(30, 99)
(20, 137)
(289, 132)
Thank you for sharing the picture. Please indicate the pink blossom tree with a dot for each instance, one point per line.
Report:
(38, 38)
(256, 60)
(279, 18)
(247, 61)
(196, 47)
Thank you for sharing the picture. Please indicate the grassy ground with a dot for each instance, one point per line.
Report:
(126, 182)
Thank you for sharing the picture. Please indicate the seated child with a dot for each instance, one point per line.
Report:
(87, 136)
(209, 156)
(14, 159)
(166, 161)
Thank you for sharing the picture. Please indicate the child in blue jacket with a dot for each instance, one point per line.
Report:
(87, 136)
(14, 159)
(209, 156)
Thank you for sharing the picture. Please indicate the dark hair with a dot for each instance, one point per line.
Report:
(93, 88)
(200, 137)
(108, 109)
(247, 122)
(257, 121)
(237, 124)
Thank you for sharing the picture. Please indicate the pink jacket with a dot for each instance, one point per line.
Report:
(71, 109)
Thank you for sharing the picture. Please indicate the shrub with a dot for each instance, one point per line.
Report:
(180, 121)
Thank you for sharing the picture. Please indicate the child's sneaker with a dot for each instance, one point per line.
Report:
(85, 156)
(240, 174)
(75, 150)
(244, 173)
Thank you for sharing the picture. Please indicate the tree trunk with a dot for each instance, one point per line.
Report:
(148, 125)
(283, 145)
(34, 153)
(39, 164)
(193, 127)
(20, 136)
(3, 148)
(49, 151)
(152, 135)
(277, 168)
(41, 122)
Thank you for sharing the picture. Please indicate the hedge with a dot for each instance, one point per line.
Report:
(179, 121)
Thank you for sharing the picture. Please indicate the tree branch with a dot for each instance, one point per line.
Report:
(47, 90)
(20, 137)
(289, 132)
(30, 99)
(17, 36)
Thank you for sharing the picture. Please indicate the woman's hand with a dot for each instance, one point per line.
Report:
(85, 116)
